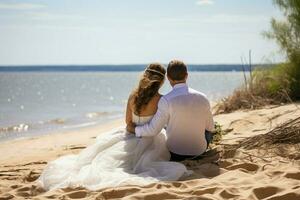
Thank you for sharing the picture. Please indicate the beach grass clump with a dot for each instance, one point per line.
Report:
(283, 140)
(286, 133)
(267, 86)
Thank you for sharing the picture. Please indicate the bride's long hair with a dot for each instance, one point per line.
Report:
(148, 87)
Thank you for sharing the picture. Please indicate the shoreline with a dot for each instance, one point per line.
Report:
(240, 173)
(48, 127)
(55, 140)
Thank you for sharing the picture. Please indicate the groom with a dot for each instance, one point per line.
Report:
(187, 115)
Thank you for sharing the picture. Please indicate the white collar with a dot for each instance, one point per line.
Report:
(179, 85)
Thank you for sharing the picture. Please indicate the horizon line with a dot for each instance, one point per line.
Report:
(130, 64)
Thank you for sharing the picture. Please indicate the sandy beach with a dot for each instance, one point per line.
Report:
(228, 172)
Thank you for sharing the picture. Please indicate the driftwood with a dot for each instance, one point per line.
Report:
(287, 133)
(283, 140)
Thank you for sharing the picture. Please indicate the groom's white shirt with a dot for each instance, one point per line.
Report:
(187, 114)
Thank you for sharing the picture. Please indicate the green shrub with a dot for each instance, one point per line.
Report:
(218, 133)
(267, 86)
(286, 33)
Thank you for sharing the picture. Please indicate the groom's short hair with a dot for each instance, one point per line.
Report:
(177, 70)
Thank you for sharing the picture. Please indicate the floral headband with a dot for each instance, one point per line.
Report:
(153, 70)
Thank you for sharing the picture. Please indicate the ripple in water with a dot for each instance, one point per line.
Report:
(67, 99)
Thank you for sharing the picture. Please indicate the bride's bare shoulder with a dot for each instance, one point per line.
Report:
(131, 99)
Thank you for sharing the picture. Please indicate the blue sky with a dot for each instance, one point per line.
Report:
(134, 31)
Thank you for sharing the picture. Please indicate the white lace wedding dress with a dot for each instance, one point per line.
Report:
(116, 158)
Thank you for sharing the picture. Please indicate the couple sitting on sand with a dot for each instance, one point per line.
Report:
(160, 130)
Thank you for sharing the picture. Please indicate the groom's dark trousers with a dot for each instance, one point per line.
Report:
(177, 157)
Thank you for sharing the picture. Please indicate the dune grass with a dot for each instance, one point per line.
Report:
(267, 86)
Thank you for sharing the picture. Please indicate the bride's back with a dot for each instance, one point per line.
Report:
(146, 112)
(150, 108)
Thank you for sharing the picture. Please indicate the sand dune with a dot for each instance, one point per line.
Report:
(227, 172)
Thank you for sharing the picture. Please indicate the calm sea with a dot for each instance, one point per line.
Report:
(34, 103)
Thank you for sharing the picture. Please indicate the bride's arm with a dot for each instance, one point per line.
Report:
(128, 118)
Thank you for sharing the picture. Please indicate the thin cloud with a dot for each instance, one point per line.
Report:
(21, 6)
(218, 18)
(37, 15)
(205, 2)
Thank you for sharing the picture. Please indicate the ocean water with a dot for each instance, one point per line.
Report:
(35, 103)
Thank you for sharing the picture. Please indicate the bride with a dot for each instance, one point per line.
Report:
(119, 158)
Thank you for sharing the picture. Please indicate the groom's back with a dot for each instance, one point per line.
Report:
(189, 116)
